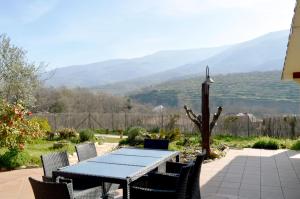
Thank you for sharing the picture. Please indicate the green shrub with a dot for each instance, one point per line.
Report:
(173, 134)
(43, 123)
(67, 133)
(170, 135)
(154, 130)
(101, 131)
(51, 135)
(14, 158)
(118, 132)
(123, 142)
(136, 135)
(60, 144)
(266, 143)
(74, 140)
(35, 160)
(296, 145)
(182, 142)
(86, 135)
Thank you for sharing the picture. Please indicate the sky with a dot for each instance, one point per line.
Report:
(71, 32)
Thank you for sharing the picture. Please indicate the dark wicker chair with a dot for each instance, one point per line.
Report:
(63, 189)
(52, 162)
(194, 177)
(156, 186)
(156, 144)
(88, 150)
(85, 151)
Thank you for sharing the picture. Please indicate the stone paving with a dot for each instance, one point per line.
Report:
(242, 174)
(253, 174)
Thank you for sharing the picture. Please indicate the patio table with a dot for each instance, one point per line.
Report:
(121, 166)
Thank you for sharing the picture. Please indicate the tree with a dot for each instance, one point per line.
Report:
(18, 78)
(198, 121)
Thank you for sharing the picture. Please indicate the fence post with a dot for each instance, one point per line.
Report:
(112, 120)
(55, 125)
(89, 121)
(125, 125)
(248, 124)
(162, 120)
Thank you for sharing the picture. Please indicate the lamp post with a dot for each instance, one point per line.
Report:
(202, 121)
(205, 108)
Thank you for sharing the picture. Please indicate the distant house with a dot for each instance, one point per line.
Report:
(291, 68)
(251, 117)
(158, 109)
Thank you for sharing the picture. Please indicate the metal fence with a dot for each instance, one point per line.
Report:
(242, 126)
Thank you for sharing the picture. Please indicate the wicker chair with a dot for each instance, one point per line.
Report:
(88, 150)
(156, 144)
(63, 189)
(193, 191)
(85, 151)
(156, 186)
(52, 162)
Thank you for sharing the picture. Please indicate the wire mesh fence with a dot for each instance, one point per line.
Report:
(288, 126)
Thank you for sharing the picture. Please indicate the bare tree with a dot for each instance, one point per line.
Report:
(198, 121)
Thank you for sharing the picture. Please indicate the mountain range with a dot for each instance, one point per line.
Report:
(256, 92)
(264, 53)
(113, 71)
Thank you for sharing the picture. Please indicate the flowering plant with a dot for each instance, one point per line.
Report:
(15, 128)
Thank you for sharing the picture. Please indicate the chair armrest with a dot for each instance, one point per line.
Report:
(157, 181)
(174, 167)
(60, 179)
(47, 179)
(141, 192)
(95, 192)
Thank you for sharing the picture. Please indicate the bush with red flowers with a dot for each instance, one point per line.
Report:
(15, 128)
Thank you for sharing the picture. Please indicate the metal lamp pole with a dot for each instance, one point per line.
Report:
(205, 108)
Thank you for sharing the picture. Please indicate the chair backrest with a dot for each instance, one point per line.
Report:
(182, 183)
(50, 190)
(156, 144)
(194, 178)
(54, 161)
(85, 151)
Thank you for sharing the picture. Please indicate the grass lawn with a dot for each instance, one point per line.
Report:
(248, 142)
(187, 143)
(40, 147)
(110, 140)
(43, 146)
(234, 142)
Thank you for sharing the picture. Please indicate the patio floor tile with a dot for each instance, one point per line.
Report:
(242, 174)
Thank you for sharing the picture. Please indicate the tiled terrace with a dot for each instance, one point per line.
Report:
(253, 174)
(244, 174)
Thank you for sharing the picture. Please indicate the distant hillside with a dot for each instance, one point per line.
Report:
(265, 53)
(261, 54)
(258, 92)
(123, 75)
(112, 71)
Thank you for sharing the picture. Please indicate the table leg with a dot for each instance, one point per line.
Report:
(104, 192)
(126, 191)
